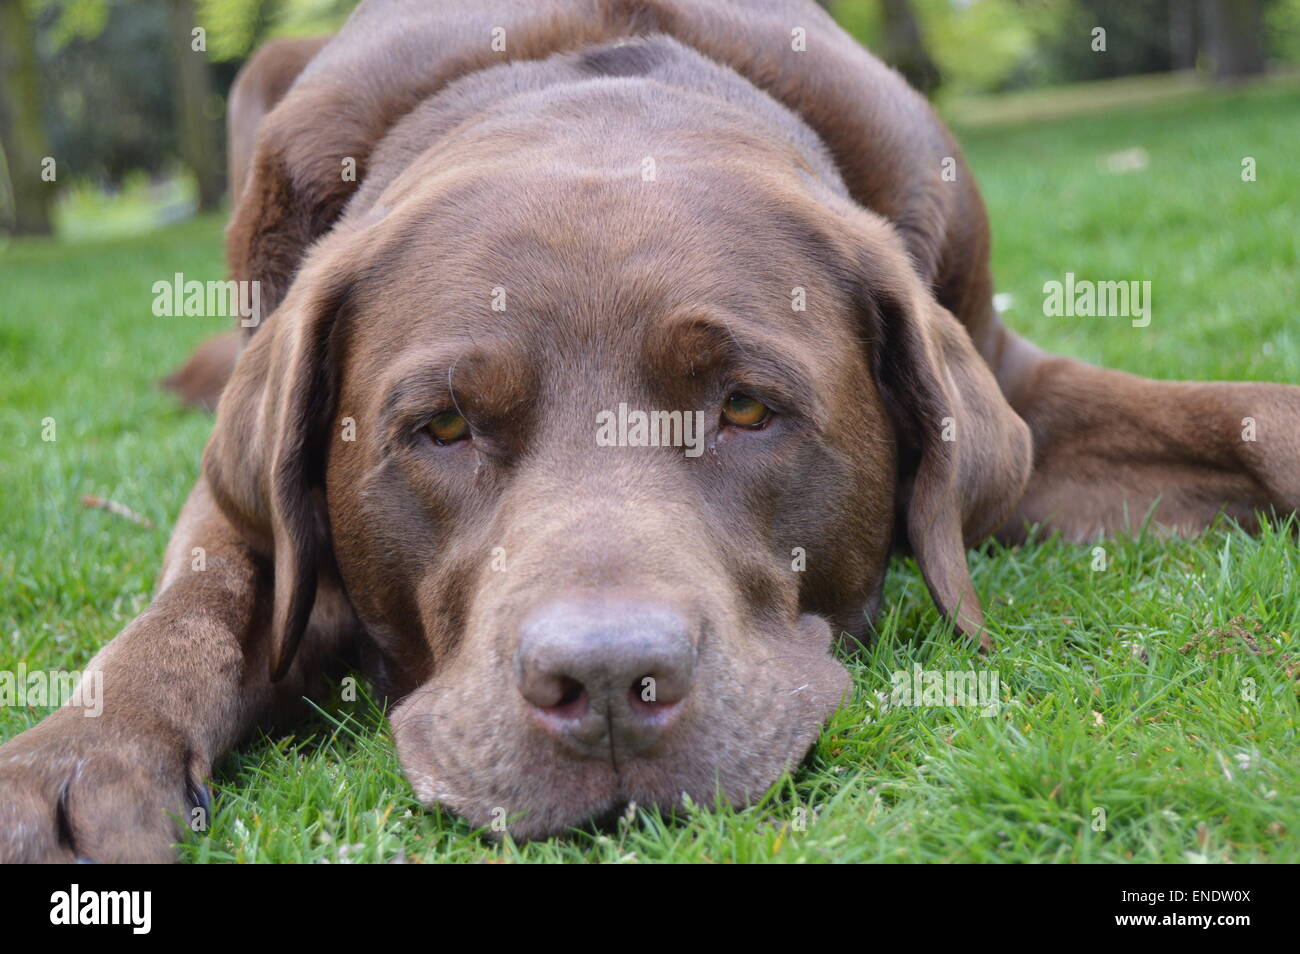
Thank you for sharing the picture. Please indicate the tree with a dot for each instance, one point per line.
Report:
(904, 47)
(22, 134)
(196, 129)
(1182, 35)
(1233, 37)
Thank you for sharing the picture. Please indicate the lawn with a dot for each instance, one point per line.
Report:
(1148, 711)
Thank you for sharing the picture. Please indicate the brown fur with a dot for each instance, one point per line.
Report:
(522, 170)
(262, 83)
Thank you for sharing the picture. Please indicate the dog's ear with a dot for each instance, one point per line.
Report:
(265, 461)
(964, 456)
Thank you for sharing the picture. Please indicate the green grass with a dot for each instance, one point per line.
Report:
(1156, 690)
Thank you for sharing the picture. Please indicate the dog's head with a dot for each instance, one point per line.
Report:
(606, 452)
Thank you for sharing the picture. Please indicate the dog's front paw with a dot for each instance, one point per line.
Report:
(82, 789)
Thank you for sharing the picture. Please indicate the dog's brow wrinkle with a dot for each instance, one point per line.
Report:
(451, 390)
(736, 341)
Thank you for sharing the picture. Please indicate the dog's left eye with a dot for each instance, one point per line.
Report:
(744, 411)
(448, 428)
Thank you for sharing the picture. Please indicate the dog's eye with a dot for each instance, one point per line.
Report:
(744, 411)
(448, 428)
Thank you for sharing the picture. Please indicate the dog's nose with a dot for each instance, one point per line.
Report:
(605, 673)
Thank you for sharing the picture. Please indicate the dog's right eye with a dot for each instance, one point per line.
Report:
(744, 411)
(447, 428)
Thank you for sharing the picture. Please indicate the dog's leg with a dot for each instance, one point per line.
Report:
(1111, 447)
(180, 685)
(200, 380)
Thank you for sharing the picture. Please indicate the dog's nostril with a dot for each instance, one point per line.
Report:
(644, 698)
(573, 700)
(570, 690)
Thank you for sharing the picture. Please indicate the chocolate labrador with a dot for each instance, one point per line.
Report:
(615, 345)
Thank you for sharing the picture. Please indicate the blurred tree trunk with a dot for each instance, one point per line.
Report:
(904, 48)
(196, 130)
(1232, 33)
(1182, 35)
(22, 134)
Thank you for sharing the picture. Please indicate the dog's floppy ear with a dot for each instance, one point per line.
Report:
(265, 461)
(964, 455)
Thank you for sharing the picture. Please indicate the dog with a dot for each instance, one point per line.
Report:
(490, 230)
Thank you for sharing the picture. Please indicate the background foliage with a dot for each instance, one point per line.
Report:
(109, 103)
